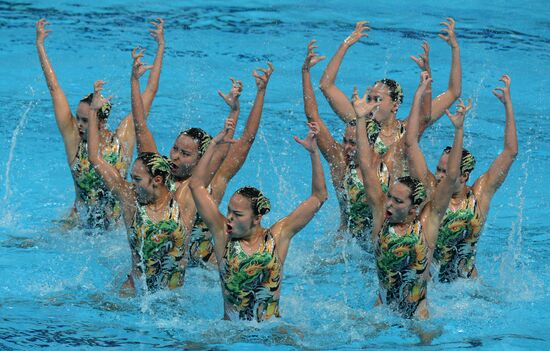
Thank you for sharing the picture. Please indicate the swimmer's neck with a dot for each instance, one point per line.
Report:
(253, 237)
(401, 227)
(460, 193)
(104, 134)
(161, 199)
(390, 122)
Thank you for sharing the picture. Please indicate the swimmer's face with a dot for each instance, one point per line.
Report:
(441, 172)
(184, 155)
(349, 143)
(240, 217)
(143, 183)
(398, 203)
(82, 120)
(380, 93)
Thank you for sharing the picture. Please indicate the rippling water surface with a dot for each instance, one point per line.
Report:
(59, 289)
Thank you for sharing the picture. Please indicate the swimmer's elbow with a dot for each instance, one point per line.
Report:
(195, 183)
(322, 196)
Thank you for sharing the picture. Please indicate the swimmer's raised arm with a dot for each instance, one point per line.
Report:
(223, 151)
(368, 161)
(486, 185)
(65, 122)
(145, 140)
(125, 131)
(239, 150)
(111, 176)
(287, 227)
(198, 184)
(423, 62)
(339, 102)
(454, 89)
(330, 149)
(436, 208)
(417, 163)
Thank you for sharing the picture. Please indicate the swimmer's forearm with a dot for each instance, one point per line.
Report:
(455, 156)
(144, 137)
(47, 69)
(310, 102)
(510, 132)
(253, 122)
(154, 75)
(329, 75)
(455, 79)
(318, 184)
(326, 142)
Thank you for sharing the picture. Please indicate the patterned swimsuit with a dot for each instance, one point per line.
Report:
(401, 262)
(96, 205)
(357, 210)
(459, 232)
(201, 249)
(159, 247)
(251, 283)
(379, 146)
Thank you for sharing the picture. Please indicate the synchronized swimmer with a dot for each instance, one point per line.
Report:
(419, 225)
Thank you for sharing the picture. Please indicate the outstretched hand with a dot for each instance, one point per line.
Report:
(357, 34)
(263, 79)
(449, 29)
(423, 60)
(504, 97)
(461, 109)
(158, 32)
(425, 81)
(223, 136)
(310, 141)
(232, 98)
(98, 100)
(361, 106)
(41, 30)
(312, 58)
(138, 67)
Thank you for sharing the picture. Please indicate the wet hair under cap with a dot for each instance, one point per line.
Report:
(157, 165)
(105, 110)
(467, 162)
(396, 92)
(260, 203)
(201, 137)
(418, 191)
(373, 129)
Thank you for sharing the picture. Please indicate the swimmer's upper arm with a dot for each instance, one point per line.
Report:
(210, 213)
(289, 226)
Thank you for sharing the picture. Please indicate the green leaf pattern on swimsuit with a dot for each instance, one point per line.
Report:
(457, 240)
(101, 204)
(160, 248)
(401, 262)
(251, 283)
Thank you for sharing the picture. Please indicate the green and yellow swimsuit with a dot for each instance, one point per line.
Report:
(160, 247)
(401, 262)
(459, 232)
(251, 283)
(96, 206)
(357, 210)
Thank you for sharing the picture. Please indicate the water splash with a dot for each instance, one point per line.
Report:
(22, 121)
(512, 260)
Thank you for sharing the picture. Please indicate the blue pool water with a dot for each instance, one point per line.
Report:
(59, 289)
